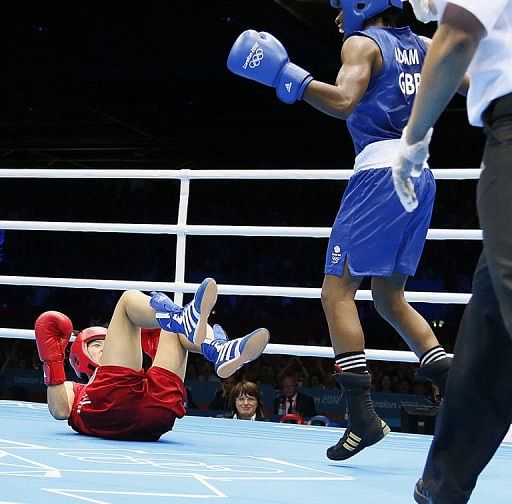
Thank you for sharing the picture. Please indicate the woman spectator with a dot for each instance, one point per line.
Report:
(246, 402)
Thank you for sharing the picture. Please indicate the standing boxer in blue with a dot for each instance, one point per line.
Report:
(371, 235)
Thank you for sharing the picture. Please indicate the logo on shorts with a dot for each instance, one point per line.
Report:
(85, 400)
(336, 255)
(254, 57)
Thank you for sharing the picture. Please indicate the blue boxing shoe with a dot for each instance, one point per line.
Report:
(191, 320)
(229, 356)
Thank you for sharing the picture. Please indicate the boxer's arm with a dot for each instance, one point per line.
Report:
(60, 400)
(361, 60)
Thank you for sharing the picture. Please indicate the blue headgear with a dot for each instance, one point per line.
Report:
(357, 12)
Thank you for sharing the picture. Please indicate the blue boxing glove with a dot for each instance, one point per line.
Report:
(261, 57)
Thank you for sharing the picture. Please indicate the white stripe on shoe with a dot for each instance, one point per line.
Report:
(190, 319)
(188, 324)
(227, 351)
(352, 442)
(194, 321)
(235, 358)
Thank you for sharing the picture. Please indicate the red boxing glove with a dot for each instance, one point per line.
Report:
(53, 330)
(149, 341)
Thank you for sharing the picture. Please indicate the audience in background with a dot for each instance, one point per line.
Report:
(21, 354)
(397, 378)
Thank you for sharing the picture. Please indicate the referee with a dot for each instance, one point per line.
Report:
(475, 37)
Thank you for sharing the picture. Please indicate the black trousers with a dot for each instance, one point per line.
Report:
(477, 409)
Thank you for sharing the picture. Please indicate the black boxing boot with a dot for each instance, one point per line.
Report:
(436, 372)
(365, 427)
(421, 493)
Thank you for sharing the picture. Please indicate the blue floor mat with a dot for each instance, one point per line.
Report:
(43, 460)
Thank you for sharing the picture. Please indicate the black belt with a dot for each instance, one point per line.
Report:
(497, 108)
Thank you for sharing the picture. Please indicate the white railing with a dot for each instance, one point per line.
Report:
(443, 174)
(197, 230)
(181, 229)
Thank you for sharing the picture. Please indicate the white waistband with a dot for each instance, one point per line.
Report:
(378, 155)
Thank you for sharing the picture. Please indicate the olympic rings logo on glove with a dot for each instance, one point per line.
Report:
(256, 58)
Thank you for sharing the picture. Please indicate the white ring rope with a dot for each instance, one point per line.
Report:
(439, 174)
(203, 230)
(272, 349)
(181, 229)
(241, 290)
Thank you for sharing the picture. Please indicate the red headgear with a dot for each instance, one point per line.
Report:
(79, 357)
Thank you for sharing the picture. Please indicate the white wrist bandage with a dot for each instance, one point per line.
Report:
(417, 153)
(424, 10)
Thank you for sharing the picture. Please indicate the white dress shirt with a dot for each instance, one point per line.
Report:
(490, 70)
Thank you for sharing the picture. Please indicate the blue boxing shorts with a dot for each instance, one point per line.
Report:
(374, 232)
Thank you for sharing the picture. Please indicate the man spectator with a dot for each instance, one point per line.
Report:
(293, 401)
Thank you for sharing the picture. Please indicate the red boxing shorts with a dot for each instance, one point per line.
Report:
(121, 403)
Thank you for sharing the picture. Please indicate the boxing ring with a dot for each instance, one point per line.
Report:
(42, 460)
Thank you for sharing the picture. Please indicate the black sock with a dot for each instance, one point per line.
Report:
(354, 362)
(434, 354)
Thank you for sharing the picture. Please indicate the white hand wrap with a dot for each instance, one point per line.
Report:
(409, 162)
(416, 153)
(424, 10)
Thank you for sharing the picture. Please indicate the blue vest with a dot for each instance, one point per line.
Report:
(384, 109)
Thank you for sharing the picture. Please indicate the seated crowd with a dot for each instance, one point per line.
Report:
(240, 396)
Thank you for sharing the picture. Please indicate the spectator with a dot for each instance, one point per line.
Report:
(222, 399)
(329, 382)
(404, 386)
(302, 381)
(319, 376)
(419, 388)
(293, 401)
(316, 381)
(246, 402)
(385, 384)
(435, 395)
(294, 365)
